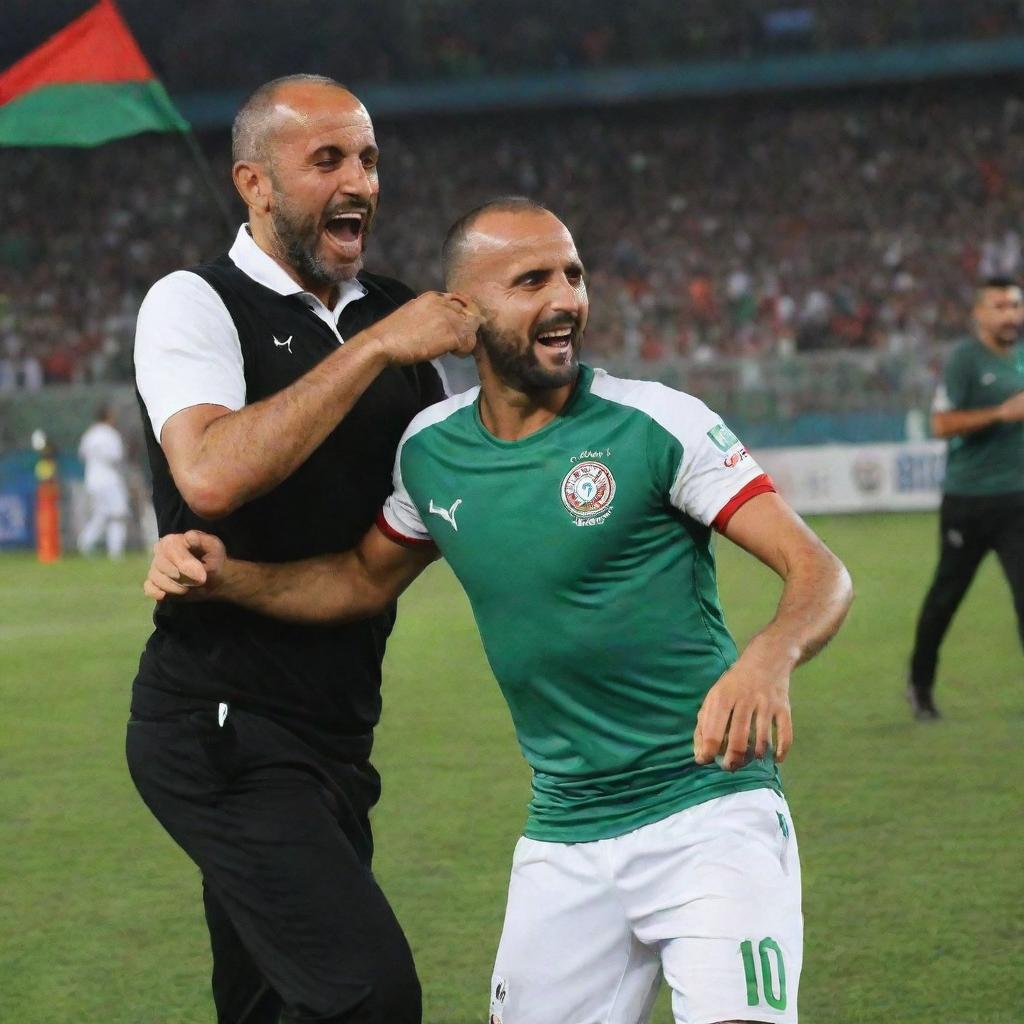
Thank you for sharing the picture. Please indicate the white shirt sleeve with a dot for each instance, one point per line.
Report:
(400, 518)
(714, 468)
(187, 350)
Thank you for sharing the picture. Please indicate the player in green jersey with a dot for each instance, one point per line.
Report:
(979, 407)
(578, 509)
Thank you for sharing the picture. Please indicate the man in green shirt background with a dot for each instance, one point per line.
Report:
(578, 510)
(979, 407)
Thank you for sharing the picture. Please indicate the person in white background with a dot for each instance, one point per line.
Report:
(102, 451)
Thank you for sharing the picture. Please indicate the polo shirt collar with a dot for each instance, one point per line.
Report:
(255, 263)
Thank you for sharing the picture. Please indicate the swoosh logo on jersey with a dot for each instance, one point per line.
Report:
(447, 514)
(988, 378)
(287, 343)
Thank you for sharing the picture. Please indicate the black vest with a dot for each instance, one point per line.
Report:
(321, 681)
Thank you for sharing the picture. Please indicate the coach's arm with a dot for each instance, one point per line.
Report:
(327, 588)
(220, 459)
(816, 596)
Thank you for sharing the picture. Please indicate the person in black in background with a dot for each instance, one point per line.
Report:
(275, 383)
(979, 407)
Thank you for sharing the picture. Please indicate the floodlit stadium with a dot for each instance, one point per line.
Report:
(784, 209)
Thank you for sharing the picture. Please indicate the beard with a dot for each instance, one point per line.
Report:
(298, 234)
(519, 368)
(1008, 337)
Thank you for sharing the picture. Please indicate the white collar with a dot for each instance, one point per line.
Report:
(264, 270)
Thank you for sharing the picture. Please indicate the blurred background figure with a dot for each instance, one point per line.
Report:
(102, 452)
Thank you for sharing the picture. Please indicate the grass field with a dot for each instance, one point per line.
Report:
(911, 835)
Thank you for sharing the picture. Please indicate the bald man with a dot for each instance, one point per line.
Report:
(658, 841)
(275, 383)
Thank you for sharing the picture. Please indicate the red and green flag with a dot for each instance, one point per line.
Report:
(85, 85)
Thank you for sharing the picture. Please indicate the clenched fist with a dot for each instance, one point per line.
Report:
(429, 326)
(184, 565)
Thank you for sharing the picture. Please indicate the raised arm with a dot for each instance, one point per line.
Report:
(340, 587)
(220, 459)
(816, 596)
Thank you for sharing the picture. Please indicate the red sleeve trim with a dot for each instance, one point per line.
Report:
(759, 485)
(399, 538)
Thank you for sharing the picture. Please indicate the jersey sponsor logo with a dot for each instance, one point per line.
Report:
(988, 378)
(287, 343)
(447, 514)
(736, 458)
(587, 492)
(722, 437)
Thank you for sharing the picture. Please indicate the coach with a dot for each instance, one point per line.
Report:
(275, 383)
(979, 409)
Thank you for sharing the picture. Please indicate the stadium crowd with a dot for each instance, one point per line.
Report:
(203, 45)
(712, 230)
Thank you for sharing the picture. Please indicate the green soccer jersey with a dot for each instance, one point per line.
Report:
(989, 461)
(585, 550)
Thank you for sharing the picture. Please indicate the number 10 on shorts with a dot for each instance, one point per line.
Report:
(773, 971)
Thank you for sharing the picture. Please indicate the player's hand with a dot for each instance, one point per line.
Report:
(429, 326)
(1012, 410)
(185, 565)
(738, 713)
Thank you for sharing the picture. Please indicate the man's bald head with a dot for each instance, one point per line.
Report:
(255, 125)
(455, 247)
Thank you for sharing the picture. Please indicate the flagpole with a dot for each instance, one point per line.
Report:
(206, 173)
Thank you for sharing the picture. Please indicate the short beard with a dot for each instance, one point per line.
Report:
(520, 369)
(298, 236)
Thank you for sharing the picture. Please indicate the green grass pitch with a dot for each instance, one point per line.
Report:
(911, 835)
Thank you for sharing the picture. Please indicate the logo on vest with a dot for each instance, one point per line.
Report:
(287, 343)
(587, 493)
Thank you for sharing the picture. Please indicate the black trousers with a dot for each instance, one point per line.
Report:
(969, 528)
(299, 929)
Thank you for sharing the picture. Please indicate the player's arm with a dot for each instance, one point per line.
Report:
(340, 587)
(221, 457)
(957, 422)
(816, 596)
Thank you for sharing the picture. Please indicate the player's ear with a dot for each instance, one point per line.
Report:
(252, 184)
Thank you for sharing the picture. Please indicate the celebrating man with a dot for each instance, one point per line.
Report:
(275, 383)
(577, 510)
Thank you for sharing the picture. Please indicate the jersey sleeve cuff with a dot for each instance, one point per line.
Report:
(759, 485)
(398, 537)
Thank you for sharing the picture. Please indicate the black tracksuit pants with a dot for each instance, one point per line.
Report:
(969, 528)
(299, 928)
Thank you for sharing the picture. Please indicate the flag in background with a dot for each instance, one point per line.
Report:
(85, 85)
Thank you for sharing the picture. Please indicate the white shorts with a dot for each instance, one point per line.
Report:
(709, 898)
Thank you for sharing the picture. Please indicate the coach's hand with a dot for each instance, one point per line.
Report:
(184, 565)
(736, 718)
(429, 326)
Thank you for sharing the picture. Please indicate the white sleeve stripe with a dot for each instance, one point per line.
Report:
(397, 533)
(400, 511)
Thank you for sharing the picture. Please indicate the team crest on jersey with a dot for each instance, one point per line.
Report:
(587, 493)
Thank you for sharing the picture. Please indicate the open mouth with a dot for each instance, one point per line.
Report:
(346, 228)
(557, 337)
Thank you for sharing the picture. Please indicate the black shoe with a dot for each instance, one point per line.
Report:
(921, 704)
